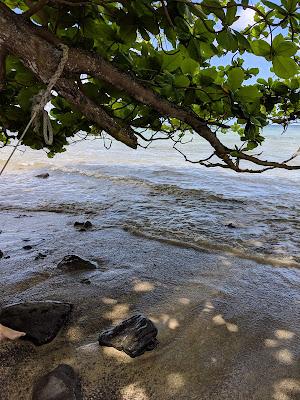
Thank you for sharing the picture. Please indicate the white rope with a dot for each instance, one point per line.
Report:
(38, 107)
(47, 129)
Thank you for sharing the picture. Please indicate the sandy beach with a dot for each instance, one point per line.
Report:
(228, 328)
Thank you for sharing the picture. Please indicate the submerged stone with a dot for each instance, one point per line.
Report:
(41, 320)
(83, 226)
(40, 256)
(231, 225)
(134, 336)
(73, 263)
(43, 176)
(60, 384)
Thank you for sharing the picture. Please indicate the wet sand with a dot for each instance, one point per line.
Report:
(229, 328)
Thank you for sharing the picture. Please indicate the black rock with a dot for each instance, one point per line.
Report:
(231, 225)
(60, 384)
(86, 281)
(27, 247)
(43, 176)
(78, 224)
(40, 256)
(1, 254)
(72, 263)
(134, 336)
(41, 320)
(83, 225)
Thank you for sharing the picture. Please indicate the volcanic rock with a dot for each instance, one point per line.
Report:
(73, 263)
(41, 320)
(43, 176)
(134, 336)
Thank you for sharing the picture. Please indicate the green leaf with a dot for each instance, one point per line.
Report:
(251, 145)
(282, 47)
(206, 50)
(235, 78)
(242, 41)
(285, 67)
(215, 7)
(24, 77)
(249, 93)
(189, 66)
(227, 40)
(292, 5)
(261, 48)
(26, 95)
(182, 81)
(231, 13)
(273, 6)
(172, 61)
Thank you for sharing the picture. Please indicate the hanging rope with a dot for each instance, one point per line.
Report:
(40, 102)
(47, 129)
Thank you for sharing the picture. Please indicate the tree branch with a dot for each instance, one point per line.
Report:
(3, 55)
(70, 91)
(35, 8)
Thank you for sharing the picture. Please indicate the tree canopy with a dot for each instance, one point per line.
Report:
(142, 70)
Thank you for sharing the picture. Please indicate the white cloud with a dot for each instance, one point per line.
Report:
(246, 18)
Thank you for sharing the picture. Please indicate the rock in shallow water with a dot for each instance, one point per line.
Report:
(40, 320)
(83, 225)
(134, 336)
(43, 176)
(60, 384)
(72, 263)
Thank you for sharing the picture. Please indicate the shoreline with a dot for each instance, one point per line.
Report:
(228, 327)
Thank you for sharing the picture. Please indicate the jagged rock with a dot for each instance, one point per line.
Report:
(83, 226)
(73, 263)
(43, 176)
(1, 254)
(134, 336)
(41, 320)
(60, 384)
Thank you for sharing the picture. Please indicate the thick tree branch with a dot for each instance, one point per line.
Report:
(71, 92)
(3, 55)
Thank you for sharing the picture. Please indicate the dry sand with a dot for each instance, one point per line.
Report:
(228, 328)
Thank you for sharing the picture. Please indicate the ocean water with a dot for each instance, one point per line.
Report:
(156, 193)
